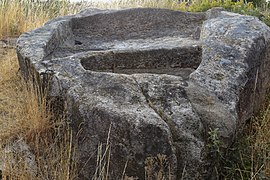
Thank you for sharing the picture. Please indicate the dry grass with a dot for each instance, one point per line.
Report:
(28, 128)
(18, 16)
(20, 110)
(249, 157)
(260, 145)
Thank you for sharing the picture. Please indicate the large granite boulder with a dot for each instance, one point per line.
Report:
(156, 81)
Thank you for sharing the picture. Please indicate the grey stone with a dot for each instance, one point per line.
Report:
(8, 43)
(158, 79)
(18, 155)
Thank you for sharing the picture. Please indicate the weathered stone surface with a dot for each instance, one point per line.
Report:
(159, 78)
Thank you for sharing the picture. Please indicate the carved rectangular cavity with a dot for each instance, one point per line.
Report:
(137, 24)
(177, 61)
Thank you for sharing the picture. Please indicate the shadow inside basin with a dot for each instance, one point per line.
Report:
(130, 29)
(177, 61)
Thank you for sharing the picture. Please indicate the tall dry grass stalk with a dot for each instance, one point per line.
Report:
(103, 160)
(24, 118)
(21, 111)
(260, 145)
(18, 16)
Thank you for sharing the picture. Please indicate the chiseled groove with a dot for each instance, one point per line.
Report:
(160, 113)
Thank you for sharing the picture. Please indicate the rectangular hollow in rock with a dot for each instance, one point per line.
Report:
(176, 61)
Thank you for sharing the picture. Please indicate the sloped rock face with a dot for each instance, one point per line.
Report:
(156, 80)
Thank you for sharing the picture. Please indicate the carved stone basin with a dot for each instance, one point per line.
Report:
(158, 79)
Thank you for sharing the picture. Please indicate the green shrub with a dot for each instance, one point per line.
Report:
(241, 7)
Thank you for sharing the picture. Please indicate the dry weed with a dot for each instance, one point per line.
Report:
(24, 117)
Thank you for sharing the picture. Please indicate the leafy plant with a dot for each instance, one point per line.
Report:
(214, 143)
